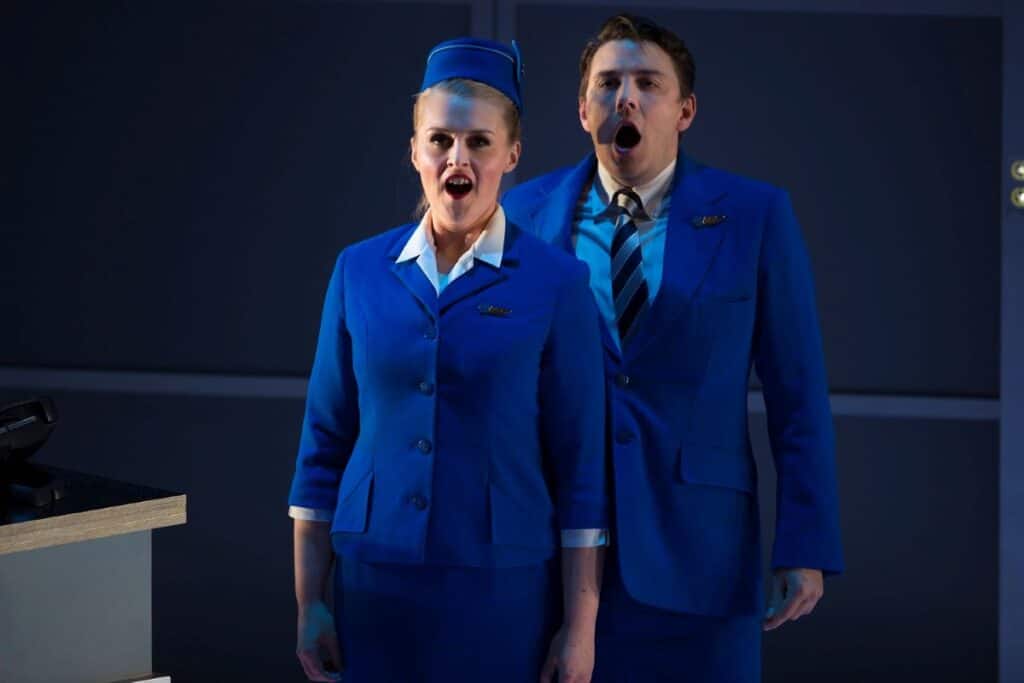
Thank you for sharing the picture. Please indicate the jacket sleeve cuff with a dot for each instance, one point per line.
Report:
(585, 538)
(309, 514)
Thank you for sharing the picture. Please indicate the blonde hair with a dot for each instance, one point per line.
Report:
(464, 87)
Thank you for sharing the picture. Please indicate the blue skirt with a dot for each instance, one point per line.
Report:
(415, 623)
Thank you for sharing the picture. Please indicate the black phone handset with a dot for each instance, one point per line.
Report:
(24, 428)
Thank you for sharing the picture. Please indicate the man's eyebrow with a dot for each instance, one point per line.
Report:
(639, 72)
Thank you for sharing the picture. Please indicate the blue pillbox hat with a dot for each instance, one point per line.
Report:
(486, 61)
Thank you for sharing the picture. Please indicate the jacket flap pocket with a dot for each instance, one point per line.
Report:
(353, 505)
(711, 466)
(512, 523)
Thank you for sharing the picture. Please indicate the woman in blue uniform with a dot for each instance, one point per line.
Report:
(454, 429)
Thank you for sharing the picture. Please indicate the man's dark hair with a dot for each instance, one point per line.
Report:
(640, 29)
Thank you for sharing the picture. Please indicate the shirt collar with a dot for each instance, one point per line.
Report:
(652, 193)
(489, 247)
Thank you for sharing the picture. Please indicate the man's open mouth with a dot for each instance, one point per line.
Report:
(627, 136)
(458, 186)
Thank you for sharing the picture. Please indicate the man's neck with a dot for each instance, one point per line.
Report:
(652, 193)
(638, 181)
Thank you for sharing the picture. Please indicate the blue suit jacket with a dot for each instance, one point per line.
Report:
(732, 294)
(464, 429)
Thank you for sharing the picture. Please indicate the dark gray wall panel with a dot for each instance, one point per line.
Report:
(918, 601)
(886, 132)
(181, 176)
(1011, 490)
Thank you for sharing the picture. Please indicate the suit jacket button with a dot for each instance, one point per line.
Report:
(424, 446)
(426, 388)
(430, 332)
(623, 436)
(622, 380)
(418, 502)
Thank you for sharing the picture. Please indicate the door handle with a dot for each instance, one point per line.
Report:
(1017, 193)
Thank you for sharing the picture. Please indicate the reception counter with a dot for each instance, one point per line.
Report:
(76, 582)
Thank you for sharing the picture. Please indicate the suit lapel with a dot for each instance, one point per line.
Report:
(478, 278)
(689, 251)
(410, 275)
(483, 275)
(555, 216)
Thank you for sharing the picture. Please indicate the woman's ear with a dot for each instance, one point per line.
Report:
(412, 153)
(513, 156)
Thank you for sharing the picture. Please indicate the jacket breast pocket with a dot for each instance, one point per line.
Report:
(727, 318)
(713, 466)
(352, 512)
(730, 297)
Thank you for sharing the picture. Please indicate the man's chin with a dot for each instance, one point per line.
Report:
(623, 162)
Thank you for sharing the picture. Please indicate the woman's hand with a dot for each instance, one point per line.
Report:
(572, 655)
(316, 635)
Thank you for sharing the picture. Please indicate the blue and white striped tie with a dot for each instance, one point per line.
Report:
(629, 287)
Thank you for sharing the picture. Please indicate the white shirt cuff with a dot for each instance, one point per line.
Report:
(585, 538)
(309, 514)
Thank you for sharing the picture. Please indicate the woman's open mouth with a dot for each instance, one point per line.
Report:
(627, 137)
(458, 186)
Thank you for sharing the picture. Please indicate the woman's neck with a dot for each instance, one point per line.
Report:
(451, 245)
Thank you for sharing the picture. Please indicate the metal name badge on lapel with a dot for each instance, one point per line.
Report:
(707, 221)
(496, 311)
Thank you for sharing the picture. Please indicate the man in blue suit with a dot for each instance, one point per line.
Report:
(699, 274)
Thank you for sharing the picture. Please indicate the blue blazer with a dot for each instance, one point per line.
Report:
(733, 294)
(465, 429)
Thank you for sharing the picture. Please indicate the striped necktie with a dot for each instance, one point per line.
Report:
(629, 287)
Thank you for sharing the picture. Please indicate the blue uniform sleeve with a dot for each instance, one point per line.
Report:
(572, 407)
(331, 422)
(790, 362)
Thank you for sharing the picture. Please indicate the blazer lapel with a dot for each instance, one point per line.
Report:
(689, 251)
(554, 216)
(478, 278)
(410, 275)
(483, 275)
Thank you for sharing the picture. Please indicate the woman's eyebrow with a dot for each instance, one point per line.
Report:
(474, 131)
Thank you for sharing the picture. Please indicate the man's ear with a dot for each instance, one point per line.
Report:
(687, 112)
(583, 114)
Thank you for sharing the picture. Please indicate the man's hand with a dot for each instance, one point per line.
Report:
(795, 593)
